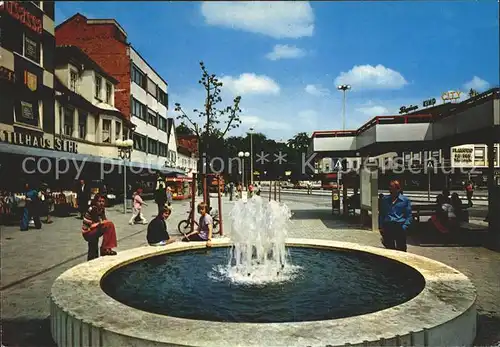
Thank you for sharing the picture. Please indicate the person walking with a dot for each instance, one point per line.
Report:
(137, 208)
(395, 218)
(160, 197)
(170, 197)
(469, 191)
(31, 209)
(48, 202)
(83, 198)
(231, 191)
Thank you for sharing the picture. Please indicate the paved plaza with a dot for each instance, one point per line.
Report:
(32, 260)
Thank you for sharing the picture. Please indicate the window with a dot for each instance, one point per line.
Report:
(73, 79)
(82, 124)
(479, 156)
(28, 111)
(138, 76)
(98, 87)
(109, 88)
(125, 133)
(68, 121)
(162, 97)
(162, 149)
(152, 146)
(152, 119)
(31, 49)
(139, 110)
(162, 123)
(139, 142)
(151, 87)
(118, 130)
(106, 131)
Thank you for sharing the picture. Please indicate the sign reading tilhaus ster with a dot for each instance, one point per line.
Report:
(20, 13)
(38, 141)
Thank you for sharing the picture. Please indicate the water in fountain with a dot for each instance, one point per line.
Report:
(259, 231)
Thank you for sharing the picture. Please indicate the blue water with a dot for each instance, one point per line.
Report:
(329, 285)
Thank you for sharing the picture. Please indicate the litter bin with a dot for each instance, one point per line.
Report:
(335, 201)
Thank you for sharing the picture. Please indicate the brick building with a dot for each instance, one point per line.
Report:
(141, 93)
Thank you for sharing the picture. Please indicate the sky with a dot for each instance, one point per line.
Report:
(286, 59)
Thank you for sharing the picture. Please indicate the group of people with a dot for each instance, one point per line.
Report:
(230, 189)
(37, 203)
(449, 213)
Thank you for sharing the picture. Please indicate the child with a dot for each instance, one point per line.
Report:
(157, 229)
(205, 227)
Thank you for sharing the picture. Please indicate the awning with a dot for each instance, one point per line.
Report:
(39, 152)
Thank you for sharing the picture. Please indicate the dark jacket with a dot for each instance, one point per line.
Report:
(83, 197)
(161, 196)
(157, 230)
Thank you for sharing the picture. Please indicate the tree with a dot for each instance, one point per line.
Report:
(211, 113)
(473, 93)
(299, 142)
(183, 129)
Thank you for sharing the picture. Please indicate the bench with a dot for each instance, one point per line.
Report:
(428, 210)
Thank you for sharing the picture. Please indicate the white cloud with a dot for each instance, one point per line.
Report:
(476, 83)
(316, 90)
(373, 111)
(278, 19)
(261, 124)
(250, 83)
(285, 52)
(371, 77)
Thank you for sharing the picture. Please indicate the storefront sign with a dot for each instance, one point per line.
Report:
(20, 13)
(406, 109)
(7, 75)
(38, 141)
(30, 80)
(430, 102)
(25, 139)
(65, 146)
(462, 156)
(451, 95)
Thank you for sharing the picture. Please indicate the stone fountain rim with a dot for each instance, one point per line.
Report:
(447, 295)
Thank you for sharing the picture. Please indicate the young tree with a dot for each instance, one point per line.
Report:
(212, 131)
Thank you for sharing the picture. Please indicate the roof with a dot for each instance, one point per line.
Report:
(73, 54)
(95, 22)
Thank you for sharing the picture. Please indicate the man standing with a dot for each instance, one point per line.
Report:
(395, 218)
(160, 198)
(469, 190)
(83, 198)
(31, 209)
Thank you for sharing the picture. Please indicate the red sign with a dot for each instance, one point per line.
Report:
(17, 11)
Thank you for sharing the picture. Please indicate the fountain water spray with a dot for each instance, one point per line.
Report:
(259, 232)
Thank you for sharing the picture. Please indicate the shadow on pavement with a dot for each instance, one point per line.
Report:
(422, 236)
(27, 333)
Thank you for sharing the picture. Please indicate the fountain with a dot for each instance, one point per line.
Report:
(294, 292)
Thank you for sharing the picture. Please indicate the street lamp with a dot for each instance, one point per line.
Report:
(251, 155)
(125, 148)
(243, 155)
(344, 88)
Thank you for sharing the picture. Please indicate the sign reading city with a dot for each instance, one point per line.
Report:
(407, 109)
(451, 95)
(21, 14)
(429, 102)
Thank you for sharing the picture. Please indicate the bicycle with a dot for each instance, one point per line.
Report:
(184, 226)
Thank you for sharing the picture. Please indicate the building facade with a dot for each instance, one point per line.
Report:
(140, 95)
(27, 47)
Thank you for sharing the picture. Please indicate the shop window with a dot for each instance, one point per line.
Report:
(106, 131)
(98, 87)
(82, 124)
(139, 142)
(138, 76)
(162, 123)
(31, 49)
(118, 130)
(68, 121)
(73, 80)
(162, 149)
(152, 146)
(152, 119)
(109, 89)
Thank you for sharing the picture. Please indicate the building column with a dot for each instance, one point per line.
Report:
(75, 124)
(493, 200)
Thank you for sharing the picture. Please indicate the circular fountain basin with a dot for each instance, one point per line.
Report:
(344, 294)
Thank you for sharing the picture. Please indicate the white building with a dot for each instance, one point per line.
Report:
(86, 118)
(149, 107)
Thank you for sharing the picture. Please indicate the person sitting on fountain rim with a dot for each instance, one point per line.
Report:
(205, 227)
(395, 218)
(95, 225)
(157, 229)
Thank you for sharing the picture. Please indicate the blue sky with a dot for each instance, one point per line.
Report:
(286, 58)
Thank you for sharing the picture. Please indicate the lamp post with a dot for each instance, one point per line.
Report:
(251, 155)
(125, 148)
(243, 155)
(344, 88)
